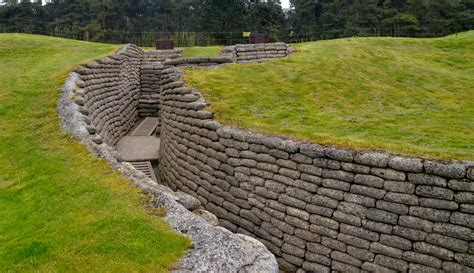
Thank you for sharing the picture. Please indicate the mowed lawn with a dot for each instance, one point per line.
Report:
(61, 209)
(408, 96)
(198, 51)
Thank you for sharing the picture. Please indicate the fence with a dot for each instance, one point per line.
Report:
(435, 28)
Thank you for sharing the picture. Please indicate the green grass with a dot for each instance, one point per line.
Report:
(467, 34)
(409, 96)
(197, 51)
(61, 209)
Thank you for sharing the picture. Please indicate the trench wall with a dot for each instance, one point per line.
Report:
(101, 101)
(245, 53)
(198, 61)
(150, 80)
(319, 208)
(115, 91)
(108, 93)
(316, 208)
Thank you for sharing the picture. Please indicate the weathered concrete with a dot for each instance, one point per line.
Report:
(146, 127)
(146, 168)
(139, 148)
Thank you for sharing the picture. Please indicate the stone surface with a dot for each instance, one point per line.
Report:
(146, 127)
(406, 164)
(453, 170)
(207, 216)
(372, 159)
(188, 201)
(139, 148)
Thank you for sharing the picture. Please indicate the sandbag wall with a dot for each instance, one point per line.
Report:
(244, 53)
(151, 82)
(214, 248)
(149, 102)
(198, 62)
(319, 208)
(150, 98)
(154, 56)
(108, 93)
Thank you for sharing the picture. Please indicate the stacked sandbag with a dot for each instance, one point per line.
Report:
(252, 52)
(149, 102)
(319, 208)
(150, 98)
(229, 52)
(154, 56)
(198, 62)
(108, 93)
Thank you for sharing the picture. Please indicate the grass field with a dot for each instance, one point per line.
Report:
(61, 209)
(409, 96)
(198, 51)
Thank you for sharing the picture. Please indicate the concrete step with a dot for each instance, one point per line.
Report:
(146, 127)
(146, 168)
(139, 148)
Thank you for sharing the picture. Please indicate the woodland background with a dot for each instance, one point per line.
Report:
(211, 22)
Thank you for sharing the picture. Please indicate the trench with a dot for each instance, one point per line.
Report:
(316, 208)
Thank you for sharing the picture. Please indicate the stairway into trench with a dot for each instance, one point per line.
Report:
(141, 147)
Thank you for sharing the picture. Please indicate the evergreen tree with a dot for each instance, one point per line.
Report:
(191, 22)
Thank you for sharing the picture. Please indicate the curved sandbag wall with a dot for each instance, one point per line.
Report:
(320, 208)
(108, 94)
(101, 103)
(316, 208)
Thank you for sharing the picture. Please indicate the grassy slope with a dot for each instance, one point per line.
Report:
(412, 96)
(61, 208)
(198, 51)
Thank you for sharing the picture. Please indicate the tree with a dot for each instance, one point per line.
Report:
(269, 18)
(204, 22)
(9, 2)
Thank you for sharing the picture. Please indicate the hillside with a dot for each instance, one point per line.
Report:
(409, 96)
(62, 210)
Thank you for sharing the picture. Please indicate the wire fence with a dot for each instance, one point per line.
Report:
(433, 28)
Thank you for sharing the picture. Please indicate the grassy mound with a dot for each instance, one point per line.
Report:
(62, 209)
(410, 96)
(198, 51)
